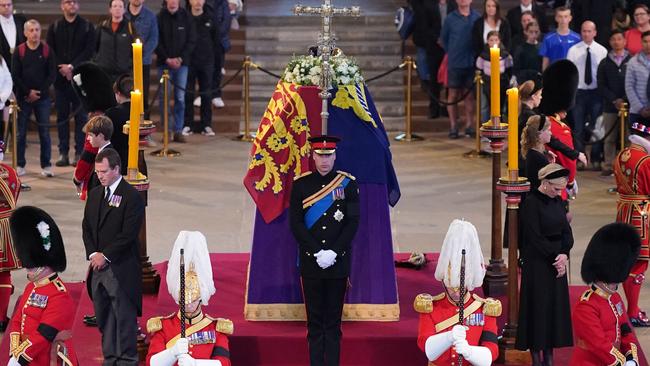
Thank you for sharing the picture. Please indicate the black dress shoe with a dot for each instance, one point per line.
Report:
(63, 161)
(90, 320)
(636, 322)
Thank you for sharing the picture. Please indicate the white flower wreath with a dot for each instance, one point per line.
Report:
(44, 231)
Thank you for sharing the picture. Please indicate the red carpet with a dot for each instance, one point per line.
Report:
(284, 343)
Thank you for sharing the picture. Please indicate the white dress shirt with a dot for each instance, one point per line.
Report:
(9, 29)
(578, 54)
(526, 8)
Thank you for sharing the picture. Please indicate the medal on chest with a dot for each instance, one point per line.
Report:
(204, 337)
(338, 193)
(475, 320)
(115, 201)
(619, 308)
(338, 215)
(37, 300)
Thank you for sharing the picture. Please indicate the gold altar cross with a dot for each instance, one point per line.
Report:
(326, 43)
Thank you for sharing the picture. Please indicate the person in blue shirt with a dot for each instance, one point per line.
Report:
(555, 45)
(456, 39)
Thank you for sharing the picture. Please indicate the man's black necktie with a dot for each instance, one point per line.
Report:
(107, 194)
(588, 78)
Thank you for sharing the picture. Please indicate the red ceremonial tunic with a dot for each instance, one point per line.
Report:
(602, 331)
(562, 132)
(444, 315)
(632, 172)
(43, 311)
(206, 335)
(9, 190)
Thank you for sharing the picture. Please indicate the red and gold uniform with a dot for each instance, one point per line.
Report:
(207, 336)
(632, 172)
(9, 190)
(439, 314)
(562, 132)
(43, 312)
(602, 331)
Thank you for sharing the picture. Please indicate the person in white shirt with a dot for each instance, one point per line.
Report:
(11, 30)
(586, 55)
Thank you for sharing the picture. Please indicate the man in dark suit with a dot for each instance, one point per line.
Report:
(11, 29)
(514, 16)
(324, 217)
(112, 219)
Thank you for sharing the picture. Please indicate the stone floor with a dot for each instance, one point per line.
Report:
(202, 190)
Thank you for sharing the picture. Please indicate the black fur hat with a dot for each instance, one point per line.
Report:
(34, 245)
(94, 87)
(560, 81)
(611, 253)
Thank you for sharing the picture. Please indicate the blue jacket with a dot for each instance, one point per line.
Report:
(146, 27)
(456, 38)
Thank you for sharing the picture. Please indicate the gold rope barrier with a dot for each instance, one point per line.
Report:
(408, 134)
(165, 151)
(622, 114)
(246, 136)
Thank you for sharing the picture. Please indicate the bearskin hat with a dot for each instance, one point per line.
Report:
(37, 239)
(94, 87)
(560, 81)
(611, 253)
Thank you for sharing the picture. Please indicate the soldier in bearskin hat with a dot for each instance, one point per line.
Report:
(602, 329)
(94, 87)
(632, 173)
(461, 269)
(560, 82)
(39, 328)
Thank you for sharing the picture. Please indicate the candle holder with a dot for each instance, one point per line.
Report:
(513, 187)
(496, 277)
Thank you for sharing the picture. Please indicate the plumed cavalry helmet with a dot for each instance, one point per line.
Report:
(198, 269)
(560, 82)
(461, 235)
(37, 239)
(610, 254)
(94, 87)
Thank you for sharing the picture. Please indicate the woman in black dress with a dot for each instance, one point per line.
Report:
(545, 311)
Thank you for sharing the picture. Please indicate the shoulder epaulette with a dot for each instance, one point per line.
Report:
(346, 174)
(491, 307)
(225, 326)
(302, 175)
(586, 295)
(154, 324)
(59, 285)
(423, 303)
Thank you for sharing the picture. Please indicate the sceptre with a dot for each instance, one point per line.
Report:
(461, 301)
(181, 297)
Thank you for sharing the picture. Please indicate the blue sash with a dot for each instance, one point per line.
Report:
(321, 206)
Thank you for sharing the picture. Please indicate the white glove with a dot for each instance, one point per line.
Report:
(457, 333)
(169, 356)
(573, 192)
(186, 360)
(325, 258)
(437, 345)
(631, 363)
(14, 362)
(476, 355)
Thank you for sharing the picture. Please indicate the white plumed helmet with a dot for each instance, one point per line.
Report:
(198, 269)
(461, 235)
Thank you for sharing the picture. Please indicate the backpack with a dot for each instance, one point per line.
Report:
(45, 50)
(404, 22)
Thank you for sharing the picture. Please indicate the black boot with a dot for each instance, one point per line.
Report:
(548, 357)
(537, 358)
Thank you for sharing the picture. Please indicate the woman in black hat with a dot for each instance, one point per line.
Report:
(546, 239)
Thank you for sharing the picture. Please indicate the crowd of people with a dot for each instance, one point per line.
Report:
(32, 65)
(604, 39)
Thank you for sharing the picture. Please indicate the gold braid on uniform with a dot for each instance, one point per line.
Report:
(491, 307)
(423, 303)
(225, 326)
(154, 324)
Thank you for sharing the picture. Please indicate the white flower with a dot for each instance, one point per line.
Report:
(315, 79)
(344, 80)
(43, 229)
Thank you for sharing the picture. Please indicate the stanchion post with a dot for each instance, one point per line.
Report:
(622, 114)
(408, 135)
(477, 152)
(246, 135)
(14, 133)
(165, 151)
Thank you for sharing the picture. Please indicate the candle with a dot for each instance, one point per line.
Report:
(513, 129)
(137, 68)
(495, 76)
(134, 129)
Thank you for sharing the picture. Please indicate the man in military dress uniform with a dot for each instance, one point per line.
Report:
(440, 335)
(632, 172)
(9, 190)
(39, 330)
(601, 326)
(206, 338)
(324, 216)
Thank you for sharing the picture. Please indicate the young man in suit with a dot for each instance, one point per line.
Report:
(111, 224)
(99, 130)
